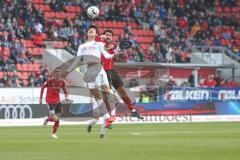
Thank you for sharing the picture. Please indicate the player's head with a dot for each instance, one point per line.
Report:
(92, 32)
(57, 73)
(108, 34)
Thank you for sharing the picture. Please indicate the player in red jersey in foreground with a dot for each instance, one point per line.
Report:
(54, 86)
(113, 76)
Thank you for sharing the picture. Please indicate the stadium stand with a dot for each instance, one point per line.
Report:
(160, 31)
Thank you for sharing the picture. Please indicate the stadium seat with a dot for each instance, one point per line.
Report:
(226, 9)
(104, 23)
(25, 67)
(234, 9)
(38, 1)
(219, 9)
(1, 75)
(78, 10)
(216, 2)
(25, 75)
(238, 3)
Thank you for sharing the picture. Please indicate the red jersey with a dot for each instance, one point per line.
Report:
(210, 83)
(53, 89)
(108, 63)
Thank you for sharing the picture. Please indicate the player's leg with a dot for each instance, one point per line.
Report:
(111, 95)
(106, 94)
(50, 118)
(119, 86)
(95, 93)
(109, 98)
(56, 117)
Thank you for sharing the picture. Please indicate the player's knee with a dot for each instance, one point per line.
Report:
(55, 118)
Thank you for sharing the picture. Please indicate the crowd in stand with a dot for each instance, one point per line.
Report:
(177, 26)
(35, 79)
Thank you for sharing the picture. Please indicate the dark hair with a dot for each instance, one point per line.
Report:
(108, 30)
(93, 26)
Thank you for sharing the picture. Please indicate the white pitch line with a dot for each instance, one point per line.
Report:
(136, 134)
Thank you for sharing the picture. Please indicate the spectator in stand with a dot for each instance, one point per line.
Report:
(185, 84)
(133, 83)
(17, 83)
(210, 81)
(23, 59)
(233, 83)
(224, 83)
(40, 81)
(171, 83)
(39, 40)
(56, 5)
(170, 56)
(32, 83)
(38, 27)
(191, 80)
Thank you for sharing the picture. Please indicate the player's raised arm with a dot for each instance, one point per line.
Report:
(76, 60)
(65, 90)
(43, 86)
(104, 51)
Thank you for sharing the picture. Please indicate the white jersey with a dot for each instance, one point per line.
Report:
(95, 75)
(91, 48)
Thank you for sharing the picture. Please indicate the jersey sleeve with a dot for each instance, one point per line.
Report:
(104, 51)
(98, 39)
(79, 53)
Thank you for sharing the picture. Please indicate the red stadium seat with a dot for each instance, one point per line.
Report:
(25, 75)
(219, 9)
(216, 2)
(78, 10)
(226, 9)
(104, 23)
(1, 75)
(68, 8)
(234, 9)
(29, 43)
(238, 3)
(38, 1)
(133, 25)
(19, 67)
(47, 8)
(25, 67)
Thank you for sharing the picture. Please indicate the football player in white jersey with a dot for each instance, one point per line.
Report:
(90, 53)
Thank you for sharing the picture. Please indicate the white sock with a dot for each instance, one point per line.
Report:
(111, 101)
(93, 121)
(102, 108)
(106, 116)
(102, 131)
(113, 112)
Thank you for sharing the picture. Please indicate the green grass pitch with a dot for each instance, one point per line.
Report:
(195, 141)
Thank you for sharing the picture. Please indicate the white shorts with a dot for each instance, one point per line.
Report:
(96, 81)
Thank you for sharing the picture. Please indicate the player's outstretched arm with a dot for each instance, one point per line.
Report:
(75, 63)
(44, 85)
(65, 91)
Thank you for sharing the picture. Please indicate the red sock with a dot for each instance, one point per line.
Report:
(128, 102)
(50, 119)
(55, 127)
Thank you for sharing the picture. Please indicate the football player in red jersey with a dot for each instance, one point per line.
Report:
(113, 76)
(54, 86)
